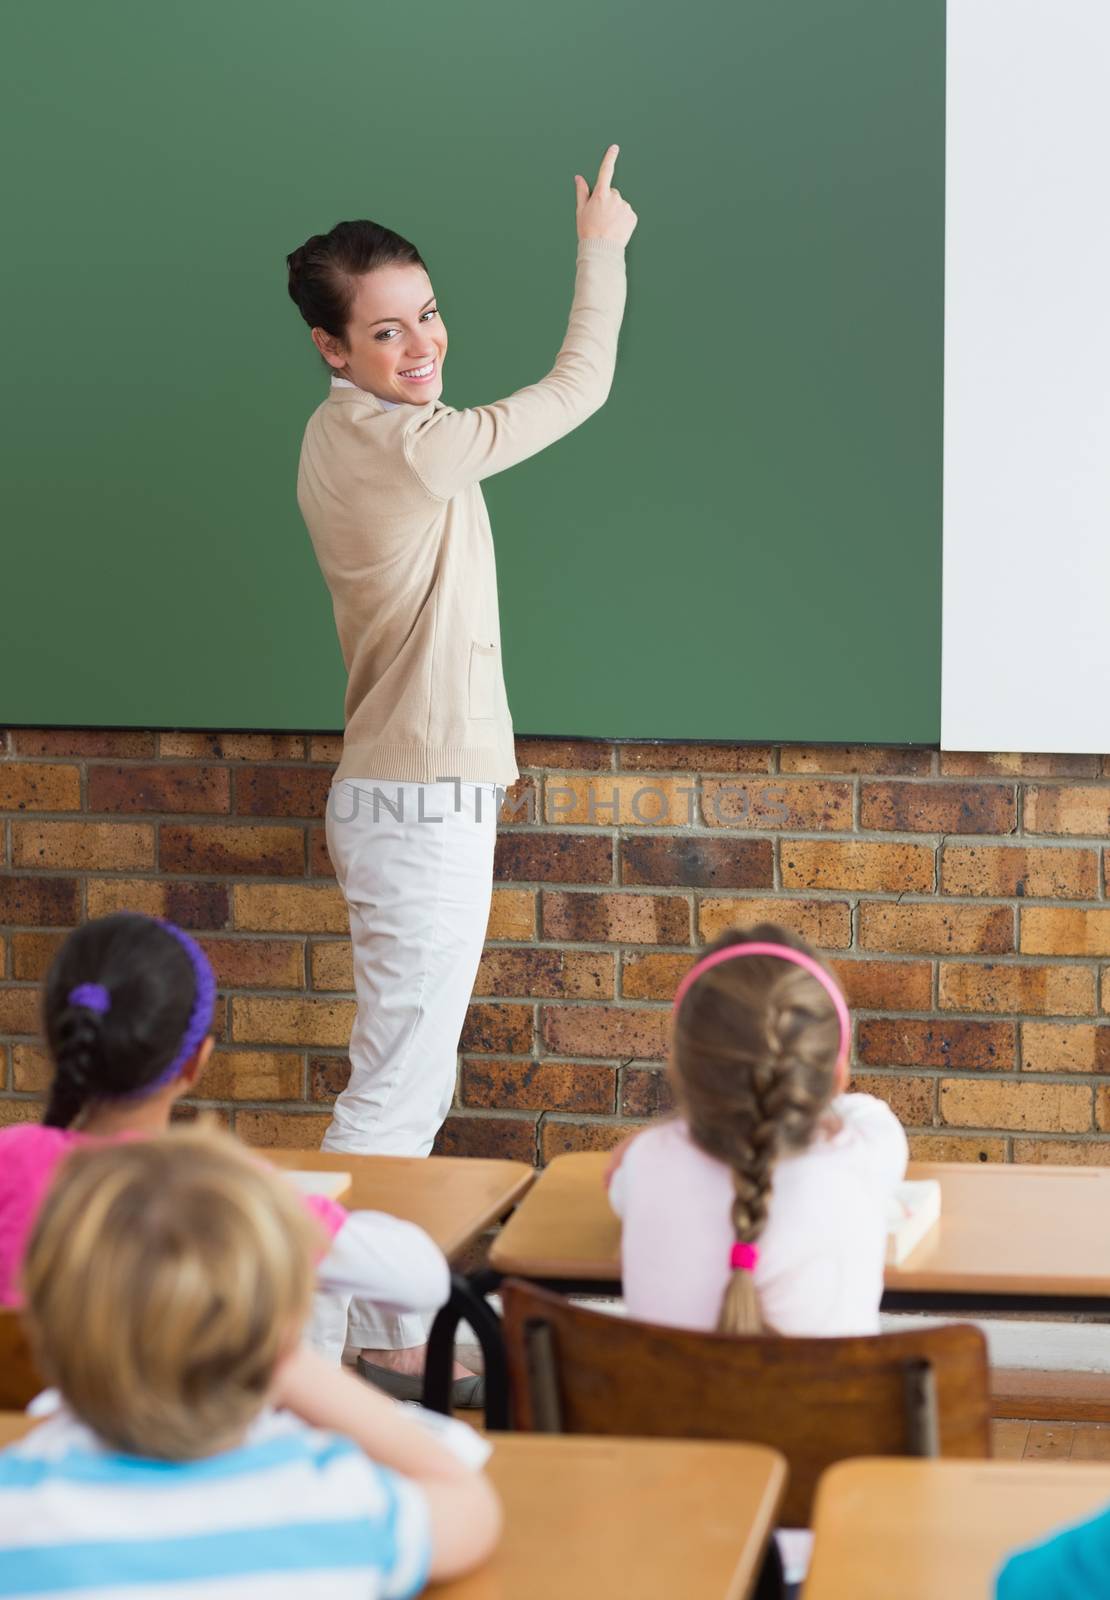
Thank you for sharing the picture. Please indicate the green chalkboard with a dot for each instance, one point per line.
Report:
(743, 544)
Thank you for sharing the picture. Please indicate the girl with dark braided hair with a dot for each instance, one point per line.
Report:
(762, 1205)
(128, 1014)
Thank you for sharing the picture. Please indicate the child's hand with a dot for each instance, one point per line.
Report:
(616, 1156)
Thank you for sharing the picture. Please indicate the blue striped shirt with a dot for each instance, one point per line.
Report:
(289, 1512)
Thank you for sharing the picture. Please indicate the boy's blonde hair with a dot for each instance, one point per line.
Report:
(165, 1278)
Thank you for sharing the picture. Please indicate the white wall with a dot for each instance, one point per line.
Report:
(1026, 646)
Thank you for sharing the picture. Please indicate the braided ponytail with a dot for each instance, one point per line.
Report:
(78, 1065)
(755, 1052)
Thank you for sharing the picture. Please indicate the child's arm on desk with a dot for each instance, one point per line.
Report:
(464, 1509)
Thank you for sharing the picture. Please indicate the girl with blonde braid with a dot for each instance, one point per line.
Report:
(762, 1205)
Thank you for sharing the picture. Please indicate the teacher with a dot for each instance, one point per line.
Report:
(390, 490)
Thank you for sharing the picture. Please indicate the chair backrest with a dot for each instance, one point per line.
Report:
(818, 1401)
(19, 1378)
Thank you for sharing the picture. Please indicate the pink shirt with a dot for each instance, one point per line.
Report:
(821, 1253)
(29, 1154)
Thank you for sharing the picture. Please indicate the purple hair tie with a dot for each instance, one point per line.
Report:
(93, 996)
(204, 1005)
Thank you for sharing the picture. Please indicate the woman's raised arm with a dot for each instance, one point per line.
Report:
(448, 449)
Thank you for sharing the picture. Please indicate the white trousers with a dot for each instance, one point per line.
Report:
(415, 864)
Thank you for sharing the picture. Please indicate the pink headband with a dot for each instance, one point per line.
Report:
(785, 953)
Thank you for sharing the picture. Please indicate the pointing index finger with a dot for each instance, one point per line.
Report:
(608, 162)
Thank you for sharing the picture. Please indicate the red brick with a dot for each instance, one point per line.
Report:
(1021, 1107)
(616, 918)
(512, 914)
(246, 848)
(32, 1069)
(83, 846)
(886, 985)
(112, 745)
(692, 859)
(969, 764)
(29, 786)
(319, 862)
(20, 1010)
(913, 1100)
(538, 1085)
(497, 1138)
(652, 757)
(233, 746)
(546, 856)
(1102, 1108)
(1065, 1047)
(1013, 872)
(653, 977)
(885, 761)
(328, 1076)
(38, 902)
(13, 1111)
(1064, 931)
(32, 954)
(497, 1030)
(1058, 991)
(963, 929)
(1063, 1152)
(190, 905)
(305, 1020)
(252, 1075)
(267, 791)
(1069, 809)
(331, 965)
(860, 867)
(553, 974)
(326, 747)
(955, 1147)
(938, 807)
(957, 1046)
(164, 788)
(613, 801)
(520, 803)
(644, 1092)
(290, 908)
(257, 963)
(826, 923)
(790, 803)
(560, 1137)
(608, 1031)
(281, 1130)
(565, 755)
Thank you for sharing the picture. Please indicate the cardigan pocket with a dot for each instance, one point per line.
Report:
(483, 680)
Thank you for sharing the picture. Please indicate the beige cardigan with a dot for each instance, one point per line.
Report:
(394, 508)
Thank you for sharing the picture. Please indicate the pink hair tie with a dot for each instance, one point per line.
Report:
(744, 1257)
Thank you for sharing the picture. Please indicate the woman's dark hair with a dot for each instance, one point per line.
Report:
(323, 272)
(151, 987)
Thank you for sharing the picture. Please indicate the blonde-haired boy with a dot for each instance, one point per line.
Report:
(202, 1449)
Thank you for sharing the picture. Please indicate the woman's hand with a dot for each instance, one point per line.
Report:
(603, 214)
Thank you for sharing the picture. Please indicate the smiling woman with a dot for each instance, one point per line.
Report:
(389, 487)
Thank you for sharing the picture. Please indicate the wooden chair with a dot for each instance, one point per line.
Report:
(922, 1393)
(19, 1379)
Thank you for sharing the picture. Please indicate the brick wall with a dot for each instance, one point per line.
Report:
(961, 898)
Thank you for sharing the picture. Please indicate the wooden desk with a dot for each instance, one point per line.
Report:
(589, 1518)
(14, 1424)
(594, 1517)
(1009, 1237)
(938, 1530)
(453, 1198)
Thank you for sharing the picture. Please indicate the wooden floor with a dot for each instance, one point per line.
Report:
(1051, 1441)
